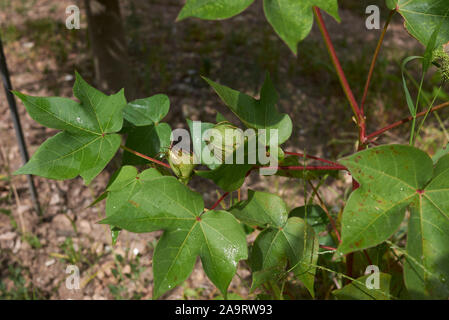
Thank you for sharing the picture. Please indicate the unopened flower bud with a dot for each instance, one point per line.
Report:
(181, 163)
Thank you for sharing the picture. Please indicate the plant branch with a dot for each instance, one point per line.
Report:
(219, 200)
(339, 70)
(309, 168)
(144, 156)
(359, 117)
(405, 120)
(328, 248)
(373, 62)
(335, 167)
(332, 221)
(310, 157)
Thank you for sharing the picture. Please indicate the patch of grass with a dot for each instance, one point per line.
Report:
(25, 6)
(119, 290)
(72, 254)
(32, 240)
(192, 293)
(10, 33)
(5, 4)
(14, 286)
(12, 221)
(47, 34)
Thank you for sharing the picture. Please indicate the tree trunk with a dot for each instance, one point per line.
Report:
(108, 42)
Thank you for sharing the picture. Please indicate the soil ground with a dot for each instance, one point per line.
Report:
(169, 57)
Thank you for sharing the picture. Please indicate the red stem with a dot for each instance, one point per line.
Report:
(405, 120)
(309, 168)
(227, 193)
(310, 157)
(367, 257)
(341, 75)
(328, 248)
(219, 200)
(373, 62)
(144, 156)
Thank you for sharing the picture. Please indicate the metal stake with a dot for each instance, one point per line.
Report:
(16, 121)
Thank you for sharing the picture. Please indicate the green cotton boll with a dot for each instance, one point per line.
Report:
(231, 139)
(441, 60)
(182, 164)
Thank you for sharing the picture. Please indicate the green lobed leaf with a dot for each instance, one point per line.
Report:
(293, 245)
(423, 17)
(391, 179)
(123, 183)
(261, 209)
(127, 182)
(292, 20)
(217, 238)
(285, 242)
(87, 142)
(158, 202)
(357, 290)
(162, 202)
(67, 155)
(427, 261)
(148, 111)
(317, 219)
(213, 9)
(256, 113)
(106, 109)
